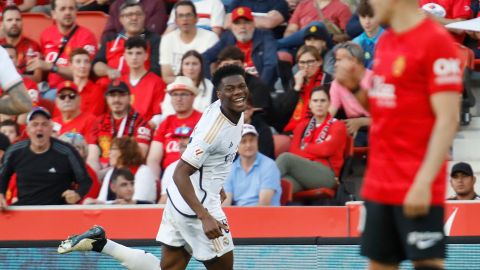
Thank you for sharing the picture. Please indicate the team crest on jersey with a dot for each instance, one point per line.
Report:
(399, 66)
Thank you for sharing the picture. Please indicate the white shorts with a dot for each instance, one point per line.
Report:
(177, 230)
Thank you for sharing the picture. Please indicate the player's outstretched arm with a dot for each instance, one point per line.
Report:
(446, 107)
(181, 176)
(17, 100)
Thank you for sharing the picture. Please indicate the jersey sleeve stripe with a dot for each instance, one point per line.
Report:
(215, 131)
(211, 132)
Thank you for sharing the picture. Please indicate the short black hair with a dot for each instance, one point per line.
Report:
(53, 4)
(10, 7)
(231, 53)
(126, 173)
(130, 3)
(10, 123)
(136, 42)
(321, 89)
(365, 9)
(187, 3)
(226, 71)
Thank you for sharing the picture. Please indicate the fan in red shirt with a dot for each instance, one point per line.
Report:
(72, 119)
(122, 121)
(414, 105)
(92, 94)
(64, 36)
(164, 149)
(147, 89)
(448, 11)
(12, 26)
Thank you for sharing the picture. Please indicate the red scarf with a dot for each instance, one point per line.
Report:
(308, 134)
(301, 109)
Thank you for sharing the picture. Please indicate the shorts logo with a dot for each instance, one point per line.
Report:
(424, 240)
(226, 241)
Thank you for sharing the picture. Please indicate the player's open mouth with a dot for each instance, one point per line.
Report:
(39, 136)
(239, 101)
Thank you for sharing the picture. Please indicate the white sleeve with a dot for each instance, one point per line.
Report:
(197, 152)
(145, 186)
(8, 75)
(166, 52)
(218, 14)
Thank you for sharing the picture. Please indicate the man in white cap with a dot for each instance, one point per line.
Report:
(164, 149)
(254, 178)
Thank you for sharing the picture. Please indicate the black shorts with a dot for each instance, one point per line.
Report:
(389, 237)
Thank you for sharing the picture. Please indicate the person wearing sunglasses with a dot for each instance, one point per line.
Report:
(72, 119)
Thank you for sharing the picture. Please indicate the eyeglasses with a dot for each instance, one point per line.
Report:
(186, 16)
(132, 14)
(307, 63)
(180, 95)
(71, 96)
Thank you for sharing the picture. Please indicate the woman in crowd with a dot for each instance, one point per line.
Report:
(192, 67)
(125, 153)
(309, 76)
(316, 153)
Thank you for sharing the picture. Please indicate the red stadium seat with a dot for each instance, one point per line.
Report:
(467, 57)
(287, 191)
(328, 193)
(34, 24)
(281, 144)
(95, 21)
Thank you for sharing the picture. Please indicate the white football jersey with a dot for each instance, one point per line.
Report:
(212, 149)
(8, 76)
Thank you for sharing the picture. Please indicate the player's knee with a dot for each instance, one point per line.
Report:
(433, 264)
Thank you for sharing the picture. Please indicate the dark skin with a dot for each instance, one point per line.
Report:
(16, 101)
(233, 93)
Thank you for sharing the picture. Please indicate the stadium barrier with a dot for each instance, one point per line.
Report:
(265, 237)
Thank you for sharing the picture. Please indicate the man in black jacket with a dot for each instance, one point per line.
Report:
(46, 168)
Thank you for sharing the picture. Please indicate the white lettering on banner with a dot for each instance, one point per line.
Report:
(172, 147)
(447, 71)
(383, 93)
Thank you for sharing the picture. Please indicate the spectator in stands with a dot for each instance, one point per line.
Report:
(260, 108)
(122, 186)
(270, 14)
(4, 143)
(309, 76)
(316, 153)
(463, 181)
(341, 93)
(372, 32)
(446, 12)
(121, 120)
(258, 45)
(318, 37)
(126, 154)
(183, 136)
(164, 149)
(78, 141)
(93, 5)
(147, 88)
(110, 60)
(10, 129)
(12, 25)
(184, 38)
(334, 14)
(155, 16)
(211, 14)
(45, 167)
(72, 119)
(254, 178)
(92, 99)
(192, 67)
(58, 41)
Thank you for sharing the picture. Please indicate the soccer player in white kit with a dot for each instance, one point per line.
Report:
(193, 222)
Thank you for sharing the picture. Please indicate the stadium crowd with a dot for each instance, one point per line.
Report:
(113, 113)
